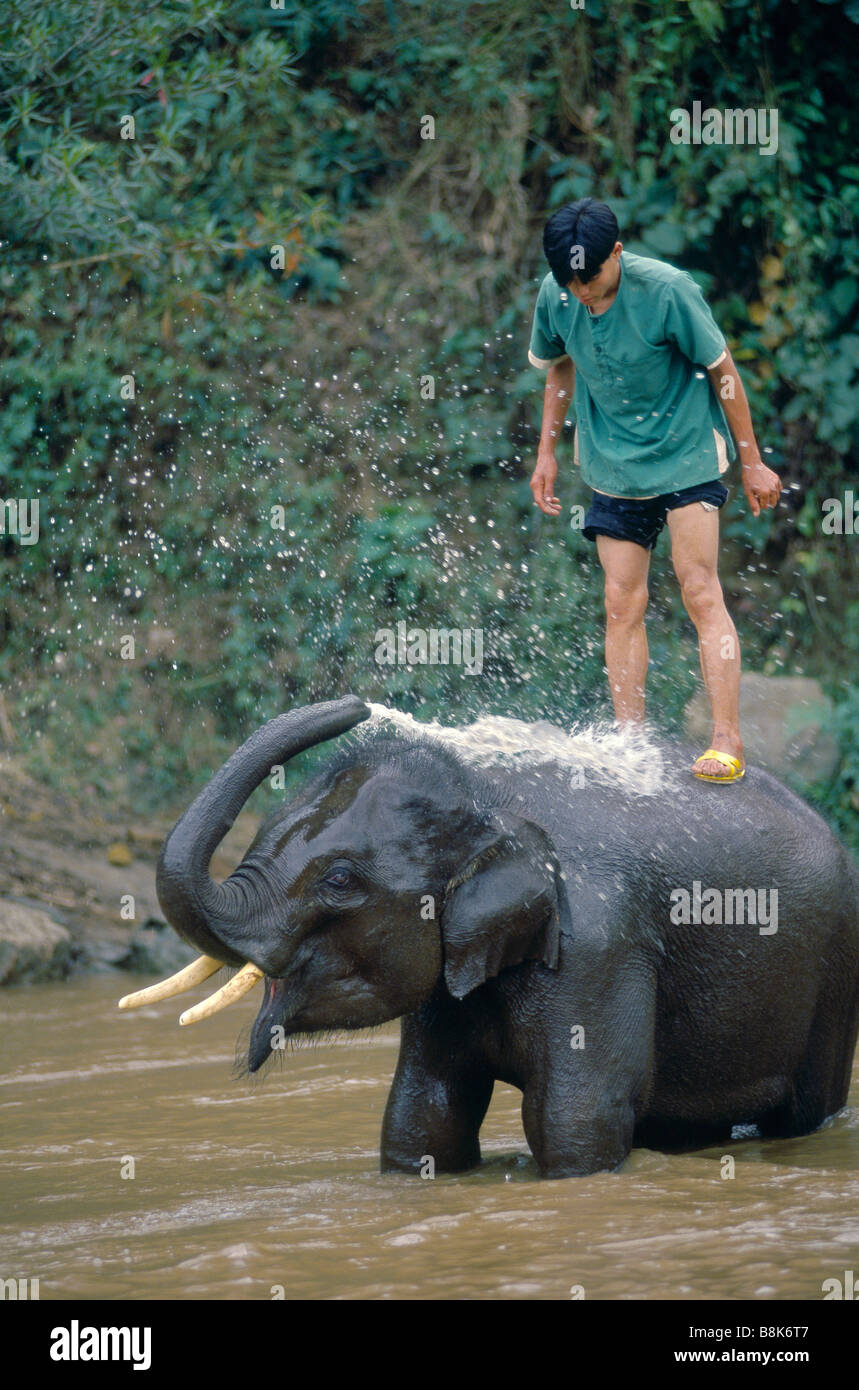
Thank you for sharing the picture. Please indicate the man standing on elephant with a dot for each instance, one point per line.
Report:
(657, 399)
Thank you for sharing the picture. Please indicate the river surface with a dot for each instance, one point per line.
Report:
(255, 1191)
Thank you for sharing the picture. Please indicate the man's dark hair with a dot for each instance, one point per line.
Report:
(587, 224)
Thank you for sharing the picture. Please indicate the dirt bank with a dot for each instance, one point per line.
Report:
(77, 885)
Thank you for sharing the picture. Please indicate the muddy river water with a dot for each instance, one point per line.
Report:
(254, 1191)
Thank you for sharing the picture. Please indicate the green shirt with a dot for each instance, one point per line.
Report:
(647, 420)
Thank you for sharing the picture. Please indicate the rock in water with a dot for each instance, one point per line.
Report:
(33, 947)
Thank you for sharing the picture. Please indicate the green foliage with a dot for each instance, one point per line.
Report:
(839, 799)
(258, 386)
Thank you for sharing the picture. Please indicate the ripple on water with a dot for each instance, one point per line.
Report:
(283, 1190)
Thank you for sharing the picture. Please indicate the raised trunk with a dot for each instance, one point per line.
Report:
(197, 907)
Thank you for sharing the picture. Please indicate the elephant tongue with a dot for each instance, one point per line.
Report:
(267, 1032)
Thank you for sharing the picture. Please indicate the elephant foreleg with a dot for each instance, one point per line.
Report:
(571, 1140)
(436, 1106)
(580, 1106)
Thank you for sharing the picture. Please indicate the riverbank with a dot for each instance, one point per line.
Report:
(77, 886)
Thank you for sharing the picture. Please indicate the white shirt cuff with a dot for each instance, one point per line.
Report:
(542, 363)
(720, 358)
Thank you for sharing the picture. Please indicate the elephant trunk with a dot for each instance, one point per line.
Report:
(202, 911)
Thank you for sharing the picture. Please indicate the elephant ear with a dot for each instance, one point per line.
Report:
(507, 905)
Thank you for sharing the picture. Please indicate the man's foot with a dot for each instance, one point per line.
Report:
(729, 744)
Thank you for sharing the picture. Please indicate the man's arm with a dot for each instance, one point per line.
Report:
(760, 484)
(560, 384)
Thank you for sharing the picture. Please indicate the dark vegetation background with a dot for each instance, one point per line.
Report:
(256, 388)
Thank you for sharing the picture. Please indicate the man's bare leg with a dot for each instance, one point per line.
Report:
(626, 565)
(694, 552)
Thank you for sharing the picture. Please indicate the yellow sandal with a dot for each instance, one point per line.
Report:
(737, 768)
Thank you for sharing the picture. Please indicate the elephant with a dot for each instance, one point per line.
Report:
(546, 935)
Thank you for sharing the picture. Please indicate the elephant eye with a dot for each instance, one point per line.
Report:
(338, 878)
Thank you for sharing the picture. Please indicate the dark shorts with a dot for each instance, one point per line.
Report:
(641, 519)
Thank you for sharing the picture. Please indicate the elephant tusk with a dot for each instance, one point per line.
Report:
(228, 994)
(193, 974)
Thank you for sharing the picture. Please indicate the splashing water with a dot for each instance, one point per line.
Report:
(623, 755)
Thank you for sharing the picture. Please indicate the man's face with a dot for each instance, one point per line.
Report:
(603, 285)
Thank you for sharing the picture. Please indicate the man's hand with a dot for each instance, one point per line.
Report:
(543, 484)
(761, 485)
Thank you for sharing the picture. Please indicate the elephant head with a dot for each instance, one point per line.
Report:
(382, 879)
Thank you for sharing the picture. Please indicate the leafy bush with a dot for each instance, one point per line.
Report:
(300, 385)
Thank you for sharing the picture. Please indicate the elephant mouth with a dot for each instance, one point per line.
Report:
(284, 1010)
(268, 1032)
